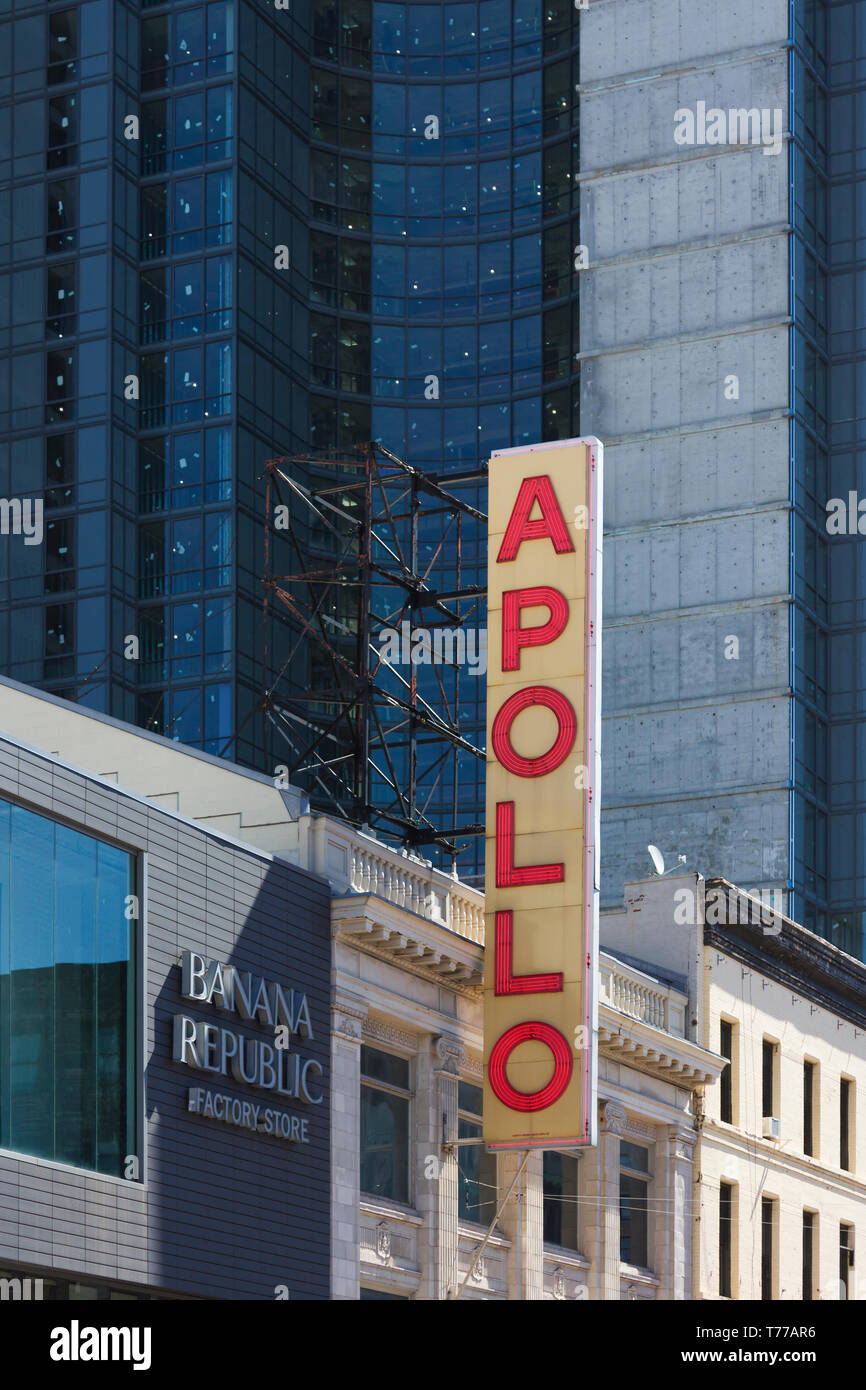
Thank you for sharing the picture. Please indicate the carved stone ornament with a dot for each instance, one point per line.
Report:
(450, 1055)
(681, 1144)
(641, 1131)
(558, 1283)
(388, 1033)
(347, 1026)
(383, 1241)
(612, 1117)
(479, 1273)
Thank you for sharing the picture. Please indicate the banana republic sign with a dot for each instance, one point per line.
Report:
(543, 784)
(270, 1066)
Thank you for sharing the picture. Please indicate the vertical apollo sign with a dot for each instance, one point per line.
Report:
(543, 790)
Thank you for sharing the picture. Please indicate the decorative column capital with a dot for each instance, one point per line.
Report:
(681, 1143)
(611, 1116)
(449, 1055)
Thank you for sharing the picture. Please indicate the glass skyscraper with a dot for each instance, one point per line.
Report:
(233, 231)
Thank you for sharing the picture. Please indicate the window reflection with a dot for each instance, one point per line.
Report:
(67, 993)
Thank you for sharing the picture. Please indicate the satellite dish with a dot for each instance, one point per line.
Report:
(657, 858)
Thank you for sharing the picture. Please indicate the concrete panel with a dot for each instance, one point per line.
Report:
(667, 387)
(640, 115)
(627, 36)
(713, 288)
(720, 747)
(746, 832)
(723, 561)
(672, 205)
(693, 474)
(683, 658)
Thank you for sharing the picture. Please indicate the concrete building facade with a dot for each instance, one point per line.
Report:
(685, 355)
(720, 174)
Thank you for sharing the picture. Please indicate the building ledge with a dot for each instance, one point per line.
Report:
(649, 1049)
(409, 941)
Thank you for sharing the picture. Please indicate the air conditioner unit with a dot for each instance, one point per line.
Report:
(771, 1127)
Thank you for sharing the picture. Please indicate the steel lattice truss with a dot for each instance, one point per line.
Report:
(371, 737)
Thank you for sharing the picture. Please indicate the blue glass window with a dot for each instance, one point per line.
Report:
(425, 281)
(460, 197)
(527, 352)
(527, 189)
(495, 194)
(527, 29)
(389, 117)
(527, 107)
(188, 125)
(461, 434)
(494, 273)
(495, 114)
(461, 117)
(389, 198)
(189, 46)
(495, 33)
(424, 101)
(425, 39)
(389, 38)
(461, 37)
(460, 359)
(526, 272)
(219, 123)
(425, 199)
(526, 421)
(67, 994)
(460, 279)
(388, 347)
(201, 638)
(389, 279)
(494, 358)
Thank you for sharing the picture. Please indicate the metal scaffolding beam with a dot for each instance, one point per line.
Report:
(380, 742)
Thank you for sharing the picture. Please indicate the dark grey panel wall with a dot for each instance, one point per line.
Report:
(223, 1212)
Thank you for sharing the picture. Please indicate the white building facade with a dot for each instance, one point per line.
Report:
(780, 1160)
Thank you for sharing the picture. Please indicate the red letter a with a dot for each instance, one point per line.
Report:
(551, 523)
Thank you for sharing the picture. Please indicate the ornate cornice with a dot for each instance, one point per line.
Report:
(811, 967)
(640, 1131)
(423, 948)
(637, 1044)
(388, 1033)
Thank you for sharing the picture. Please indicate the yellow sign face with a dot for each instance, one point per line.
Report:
(543, 789)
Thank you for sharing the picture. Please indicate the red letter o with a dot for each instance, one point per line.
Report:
(562, 744)
(502, 1050)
